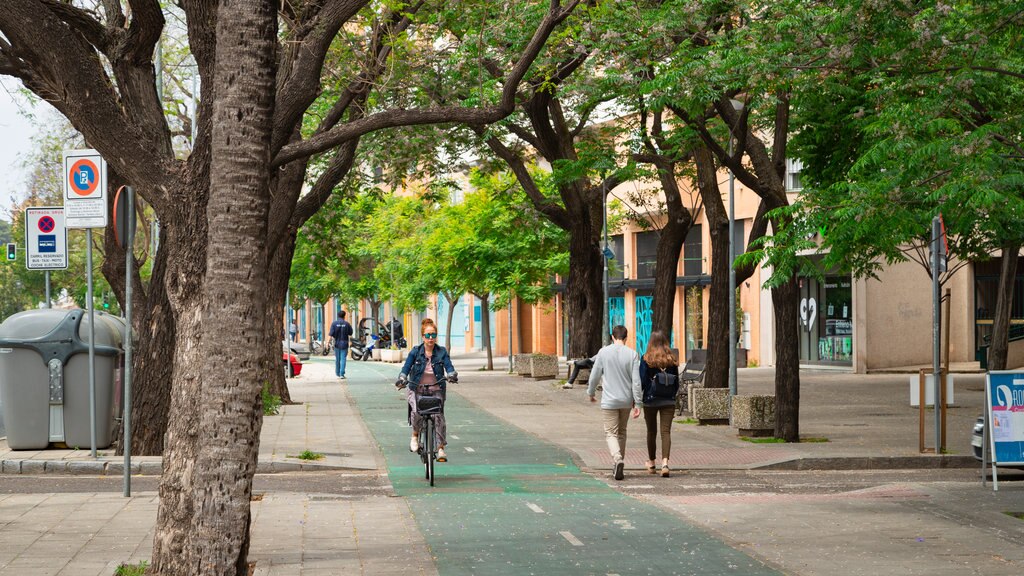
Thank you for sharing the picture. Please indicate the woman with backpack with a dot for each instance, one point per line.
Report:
(659, 377)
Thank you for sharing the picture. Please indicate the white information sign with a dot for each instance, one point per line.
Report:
(85, 189)
(46, 239)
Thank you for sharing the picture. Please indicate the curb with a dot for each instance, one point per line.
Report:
(875, 463)
(145, 468)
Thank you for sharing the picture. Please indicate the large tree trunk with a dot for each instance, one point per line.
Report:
(583, 292)
(670, 246)
(203, 520)
(997, 353)
(716, 372)
(280, 272)
(787, 362)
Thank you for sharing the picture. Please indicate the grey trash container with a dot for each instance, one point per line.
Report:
(44, 377)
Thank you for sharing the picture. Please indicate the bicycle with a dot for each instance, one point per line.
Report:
(321, 347)
(429, 407)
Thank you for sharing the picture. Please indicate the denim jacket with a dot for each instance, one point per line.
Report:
(417, 360)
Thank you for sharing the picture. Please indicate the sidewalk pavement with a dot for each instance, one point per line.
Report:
(856, 421)
(867, 421)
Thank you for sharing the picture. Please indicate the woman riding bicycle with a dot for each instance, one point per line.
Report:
(425, 372)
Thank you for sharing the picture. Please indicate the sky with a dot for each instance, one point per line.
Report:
(16, 133)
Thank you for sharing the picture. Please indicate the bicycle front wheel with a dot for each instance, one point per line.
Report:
(429, 427)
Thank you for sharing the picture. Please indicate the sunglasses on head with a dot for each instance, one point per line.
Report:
(430, 335)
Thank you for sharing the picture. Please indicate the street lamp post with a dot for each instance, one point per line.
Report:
(737, 105)
(732, 279)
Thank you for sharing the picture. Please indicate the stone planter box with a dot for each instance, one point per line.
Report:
(521, 364)
(376, 353)
(754, 414)
(709, 405)
(389, 355)
(543, 366)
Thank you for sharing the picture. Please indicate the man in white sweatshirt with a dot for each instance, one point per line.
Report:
(620, 367)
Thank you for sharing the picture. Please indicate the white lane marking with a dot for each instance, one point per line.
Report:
(534, 507)
(625, 524)
(454, 437)
(468, 449)
(572, 539)
(639, 487)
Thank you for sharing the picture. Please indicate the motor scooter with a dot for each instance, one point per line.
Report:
(359, 350)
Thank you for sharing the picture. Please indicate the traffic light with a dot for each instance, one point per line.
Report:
(12, 251)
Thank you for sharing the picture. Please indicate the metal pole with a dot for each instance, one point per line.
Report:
(732, 280)
(48, 289)
(511, 299)
(605, 334)
(936, 327)
(92, 342)
(288, 328)
(127, 417)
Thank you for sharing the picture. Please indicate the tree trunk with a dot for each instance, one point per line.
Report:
(448, 322)
(787, 362)
(997, 353)
(583, 292)
(280, 272)
(716, 370)
(203, 519)
(485, 328)
(670, 245)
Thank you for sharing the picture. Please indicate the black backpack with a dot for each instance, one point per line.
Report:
(664, 385)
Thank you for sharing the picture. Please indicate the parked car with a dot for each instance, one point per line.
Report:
(296, 365)
(298, 348)
(977, 436)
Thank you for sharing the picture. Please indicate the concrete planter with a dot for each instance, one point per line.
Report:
(376, 353)
(391, 355)
(754, 414)
(521, 364)
(543, 366)
(710, 405)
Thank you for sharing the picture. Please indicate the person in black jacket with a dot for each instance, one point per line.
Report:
(659, 378)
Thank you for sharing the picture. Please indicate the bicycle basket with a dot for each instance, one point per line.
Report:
(428, 405)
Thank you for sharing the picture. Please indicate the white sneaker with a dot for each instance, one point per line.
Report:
(441, 455)
(414, 444)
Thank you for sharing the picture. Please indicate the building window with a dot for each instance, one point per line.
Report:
(646, 254)
(693, 254)
(793, 169)
(617, 266)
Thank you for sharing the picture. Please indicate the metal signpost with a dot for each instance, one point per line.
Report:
(85, 206)
(124, 230)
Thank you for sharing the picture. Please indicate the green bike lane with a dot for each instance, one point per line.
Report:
(508, 502)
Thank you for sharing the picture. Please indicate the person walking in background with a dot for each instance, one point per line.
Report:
(619, 366)
(659, 378)
(293, 330)
(341, 331)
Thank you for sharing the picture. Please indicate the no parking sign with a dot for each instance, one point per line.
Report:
(85, 189)
(46, 240)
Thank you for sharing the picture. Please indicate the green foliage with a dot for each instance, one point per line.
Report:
(271, 402)
(132, 569)
(309, 455)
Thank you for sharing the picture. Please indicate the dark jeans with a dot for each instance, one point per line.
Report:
(576, 365)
